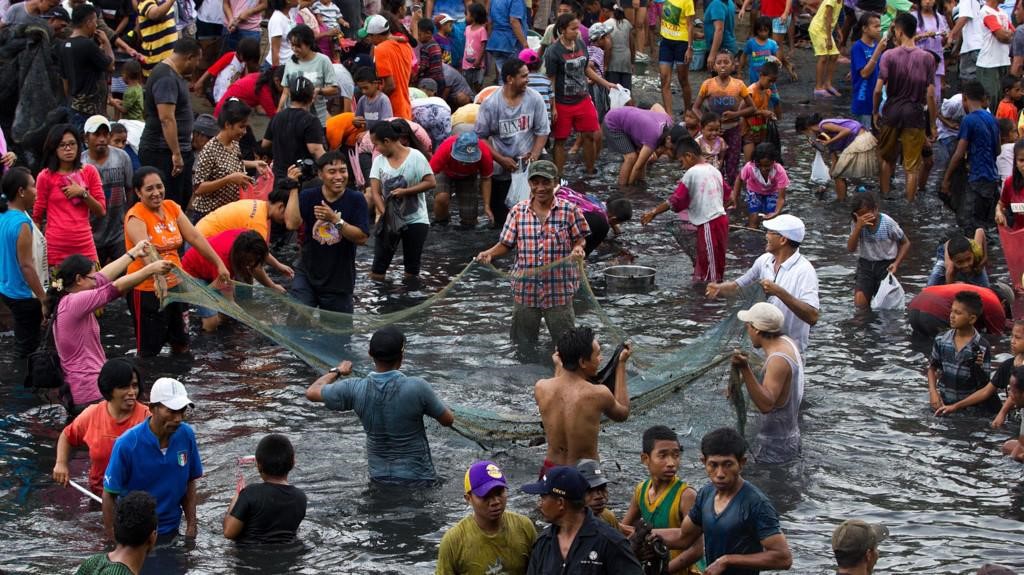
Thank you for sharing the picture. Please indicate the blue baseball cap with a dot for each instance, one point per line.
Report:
(562, 481)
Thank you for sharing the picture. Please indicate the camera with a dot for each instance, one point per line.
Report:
(308, 169)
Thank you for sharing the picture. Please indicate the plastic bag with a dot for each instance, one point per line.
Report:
(889, 295)
(619, 97)
(260, 189)
(819, 170)
(519, 190)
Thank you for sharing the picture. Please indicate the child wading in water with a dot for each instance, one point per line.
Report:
(960, 361)
(712, 146)
(826, 54)
(880, 245)
(701, 192)
(1005, 372)
(730, 99)
(765, 181)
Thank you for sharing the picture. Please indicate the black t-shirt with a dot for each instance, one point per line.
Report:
(113, 11)
(271, 512)
(599, 227)
(165, 86)
(331, 268)
(289, 133)
(83, 65)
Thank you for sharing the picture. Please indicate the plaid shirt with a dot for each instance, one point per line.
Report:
(538, 244)
(959, 374)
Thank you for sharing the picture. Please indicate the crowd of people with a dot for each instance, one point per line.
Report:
(380, 123)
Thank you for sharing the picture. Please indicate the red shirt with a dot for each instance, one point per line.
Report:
(772, 8)
(244, 89)
(196, 265)
(1012, 201)
(936, 301)
(442, 161)
(97, 430)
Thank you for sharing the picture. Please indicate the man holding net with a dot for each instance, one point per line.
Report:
(543, 230)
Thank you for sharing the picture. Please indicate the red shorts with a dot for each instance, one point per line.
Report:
(581, 117)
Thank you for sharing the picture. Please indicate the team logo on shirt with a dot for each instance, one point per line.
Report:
(496, 568)
(182, 458)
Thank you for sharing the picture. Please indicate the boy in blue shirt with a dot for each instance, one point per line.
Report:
(979, 141)
(159, 456)
(864, 56)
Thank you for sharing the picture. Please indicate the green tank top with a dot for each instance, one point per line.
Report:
(663, 512)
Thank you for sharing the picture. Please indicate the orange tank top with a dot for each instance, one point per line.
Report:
(163, 234)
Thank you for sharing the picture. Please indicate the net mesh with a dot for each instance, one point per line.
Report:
(458, 339)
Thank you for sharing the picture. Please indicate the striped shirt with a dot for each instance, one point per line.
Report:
(542, 84)
(881, 243)
(158, 35)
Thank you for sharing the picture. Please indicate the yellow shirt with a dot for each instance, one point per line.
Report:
(467, 550)
(673, 20)
(819, 24)
(240, 215)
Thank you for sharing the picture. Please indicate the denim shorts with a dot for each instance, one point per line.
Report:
(780, 26)
(672, 52)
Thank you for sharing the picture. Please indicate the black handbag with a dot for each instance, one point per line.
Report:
(44, 371)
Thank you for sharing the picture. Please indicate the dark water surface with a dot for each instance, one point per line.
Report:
(871, 448)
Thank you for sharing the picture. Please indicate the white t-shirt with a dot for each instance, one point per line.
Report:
(227, 76)
(279, 26)
(411, 172)
(704, 182)
(993, 53)
(797, 276)
(346, 86)
(1004, 161)
(211, 12)
(972, 31)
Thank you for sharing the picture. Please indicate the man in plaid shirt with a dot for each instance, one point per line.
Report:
(543, 230)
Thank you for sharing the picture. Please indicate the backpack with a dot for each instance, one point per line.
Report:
(44, 371)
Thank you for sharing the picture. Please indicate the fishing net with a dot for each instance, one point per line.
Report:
(458, 339)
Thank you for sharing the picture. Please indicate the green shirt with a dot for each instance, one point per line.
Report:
(99, 564)
(467, 550)
(132, 103)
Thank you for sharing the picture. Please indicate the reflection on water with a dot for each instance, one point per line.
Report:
(871, 449)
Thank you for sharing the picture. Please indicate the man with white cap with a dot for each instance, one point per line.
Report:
(115, 168)
(159, 456)
(781, 389)
(788, 279)
(491, 540)
(855, 544)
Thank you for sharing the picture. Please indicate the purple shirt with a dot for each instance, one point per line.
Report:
(642, 127)
(907, 73)
(77, 335)
(852, 125)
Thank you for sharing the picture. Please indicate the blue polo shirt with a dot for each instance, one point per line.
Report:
(739, 529)
(138, 464)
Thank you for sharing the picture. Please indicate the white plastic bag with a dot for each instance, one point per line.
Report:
(889, 295)
(520, 188)
(619, 96)
(819, 170)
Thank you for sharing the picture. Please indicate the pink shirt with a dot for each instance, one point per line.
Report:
(756, 182)
(67, 221)
(77, 335)
(473, 56)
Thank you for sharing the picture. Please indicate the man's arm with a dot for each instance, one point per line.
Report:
(619, 409)
(388, 84)
(315, 391)
(716, 43)
(764, 394)
(158, 10)
(803, 310)
(188, 505)
(169, 127)
(109, 504)
(694, 552)
(496, 251)
(292, 215)
(775, 557)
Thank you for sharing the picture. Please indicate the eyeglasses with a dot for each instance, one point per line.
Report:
(67, 145)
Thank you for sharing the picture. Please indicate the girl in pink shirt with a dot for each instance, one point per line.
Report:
(765, 181)
(69, 193)
(75, 294)
(476, 45)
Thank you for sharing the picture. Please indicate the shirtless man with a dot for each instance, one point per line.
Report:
(571, 406)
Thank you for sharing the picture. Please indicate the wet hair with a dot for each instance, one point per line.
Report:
(385, 131)
(762, 23)
(304, 35)
(1018, 178)
(52, 143)
(866, 19)
(248, 50)
(678, 132)
(267, 78)
(408, 136)
(132, 70)
(724, 441)
(861, 201)
(574, 346)
(478, 13)
(115, 374)
(248, 247)
(511, 67)
(770, 68)
(140, 175)
(275, 455)
(425, 25)
(187, 47)
(621, 209)
(686, 146)
(974, 91)
(118, 127)
(655, 434)
(365, 74)
(233, 111)
(708, 117)
(329, 158)
(803, 123)
(563, 21)
(69, 269)
(81, 13)
(280, 195)
(135, 519)
(958, 244)
(906, 23)
(765, 151)
(15, 179)
(303, 96)
(971, 302)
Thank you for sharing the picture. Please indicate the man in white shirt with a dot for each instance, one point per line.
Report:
(788, 279)
(968, 25)
(994, 55)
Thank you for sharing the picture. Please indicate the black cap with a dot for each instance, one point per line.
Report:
(562, 481)
(58, 13)
(302, 85)
(387, 344)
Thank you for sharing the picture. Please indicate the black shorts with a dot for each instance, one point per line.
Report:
(870, 275)
(154, 326)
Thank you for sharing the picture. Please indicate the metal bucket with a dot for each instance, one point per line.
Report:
(629, 279)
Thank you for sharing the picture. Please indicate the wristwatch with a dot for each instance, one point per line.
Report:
(334, 370)
(340, 224)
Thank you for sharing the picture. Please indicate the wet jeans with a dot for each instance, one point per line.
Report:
(526, 322)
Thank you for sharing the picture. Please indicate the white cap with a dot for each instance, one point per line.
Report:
(763, 316)
(170, 393)
(95, 123)
(443, 19)
(787, 226)
(375, 24)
